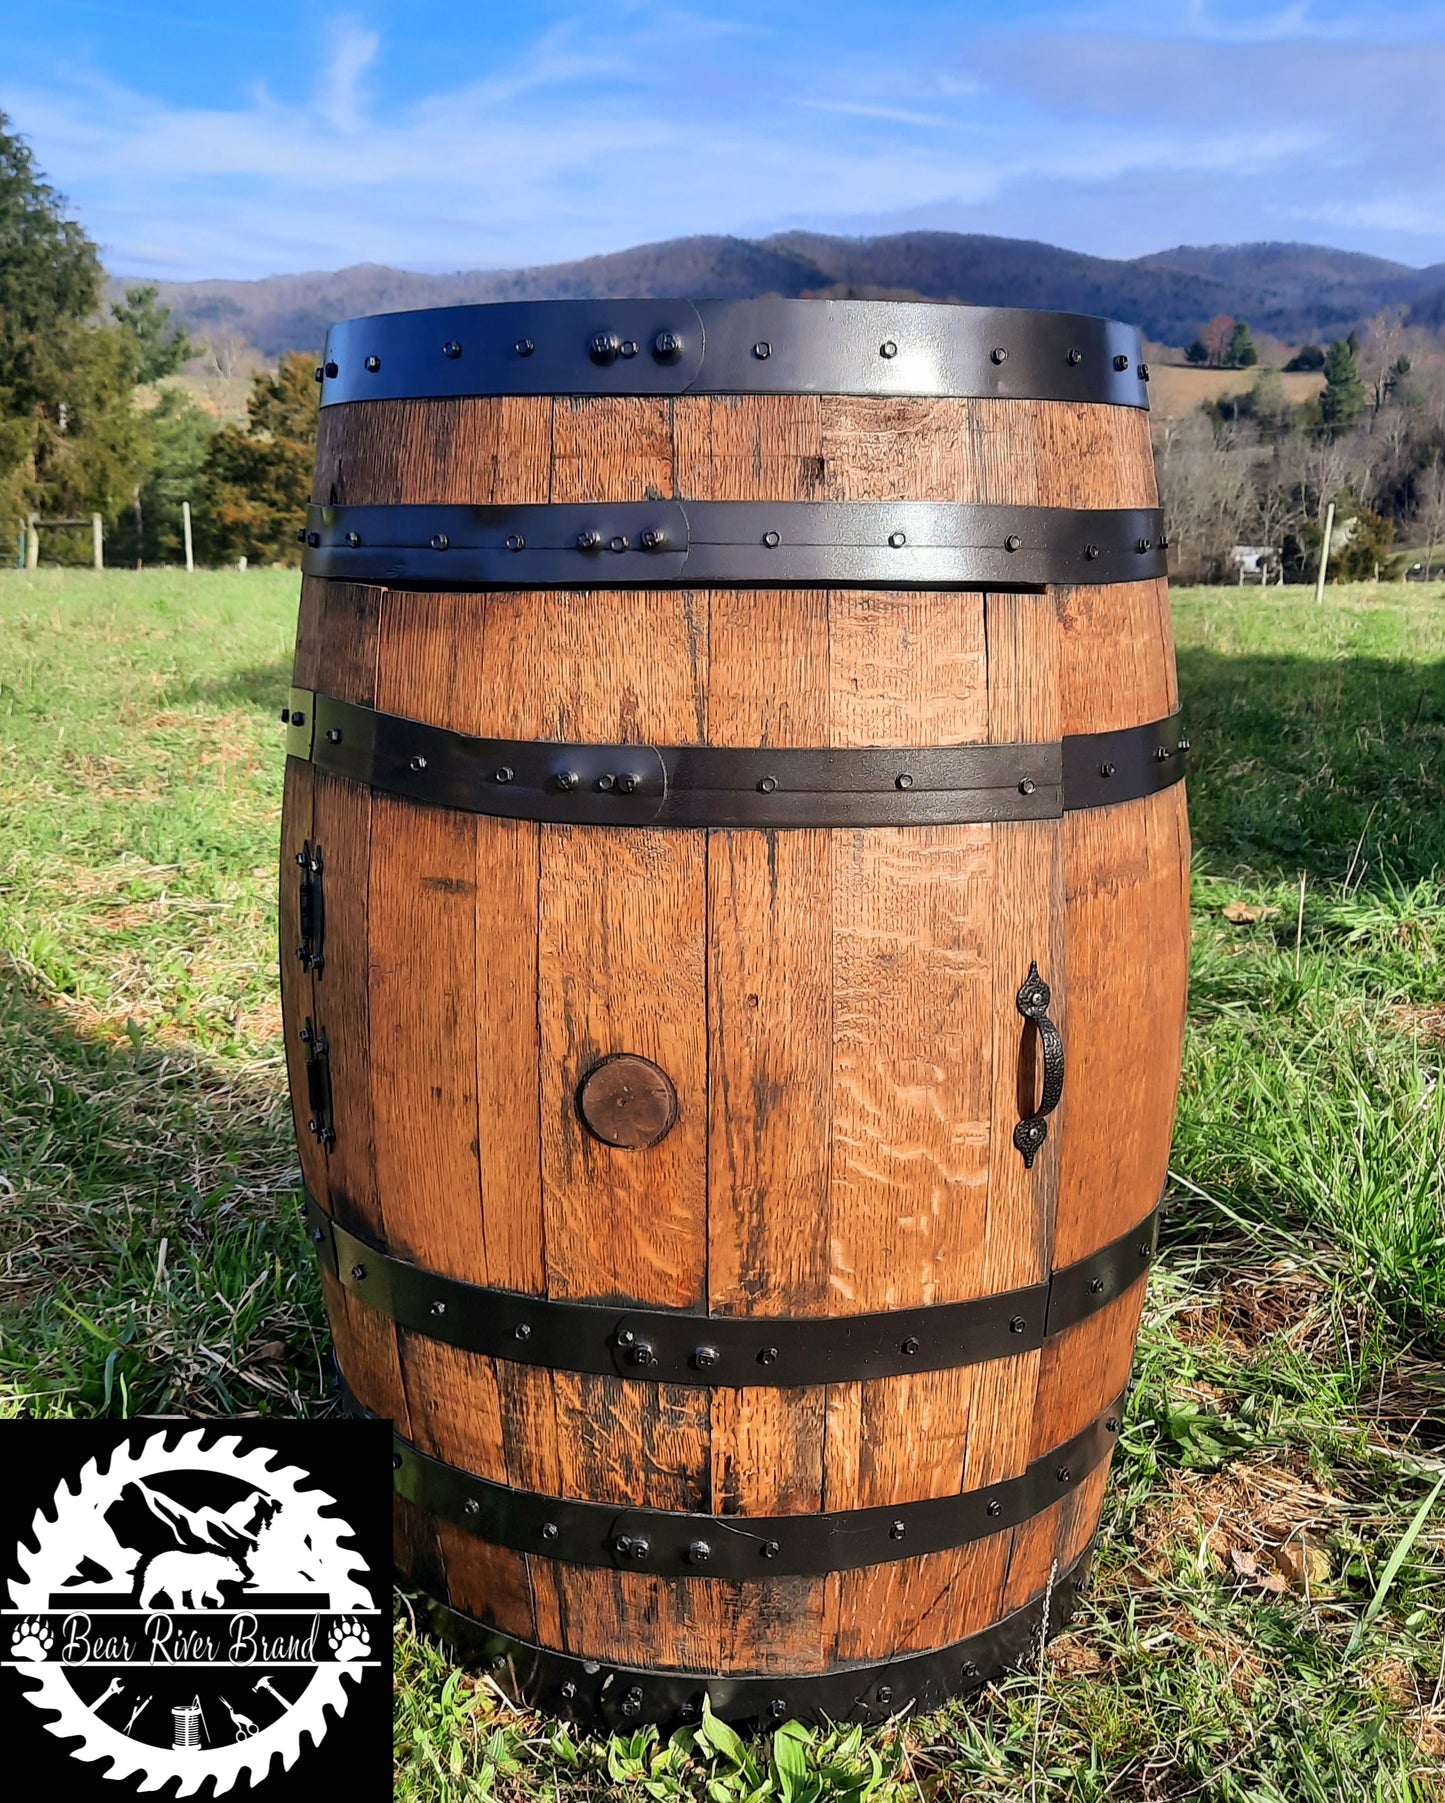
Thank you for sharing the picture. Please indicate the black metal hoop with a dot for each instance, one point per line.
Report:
(662, 347)
(674, 1544)
(892, 544)
(727, 1351)
(716, 786)
(598, 1694)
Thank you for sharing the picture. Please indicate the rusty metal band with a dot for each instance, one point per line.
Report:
(666, 347)
(676, 1544)
(674, 1346)
(717, 786)
(707, 544)
(597, 1694)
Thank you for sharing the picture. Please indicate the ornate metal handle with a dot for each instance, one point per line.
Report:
(1033, 1003)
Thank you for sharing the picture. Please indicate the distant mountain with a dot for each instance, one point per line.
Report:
(1288, 291)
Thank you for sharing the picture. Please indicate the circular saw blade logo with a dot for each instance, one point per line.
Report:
(189, 1611)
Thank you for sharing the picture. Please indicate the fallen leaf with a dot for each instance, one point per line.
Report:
(1245, 913)
(1244, 1563)
(272, 1353)
(1303, 1562)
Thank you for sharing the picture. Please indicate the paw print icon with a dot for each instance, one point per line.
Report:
(31, 1642)
(348, 1640)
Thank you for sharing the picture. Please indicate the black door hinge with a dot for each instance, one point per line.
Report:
(318, 1083)
(313, 910)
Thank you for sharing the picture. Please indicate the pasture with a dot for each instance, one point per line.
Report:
(1267, 1619)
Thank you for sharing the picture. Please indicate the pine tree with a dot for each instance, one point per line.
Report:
(69, 440)
(1241, 353)
(162, 345)
(257, 482)
(1344, 394)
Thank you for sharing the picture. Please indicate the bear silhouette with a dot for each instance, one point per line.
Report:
(190, 1580)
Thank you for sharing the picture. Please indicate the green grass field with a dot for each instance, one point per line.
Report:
(1267, 1619)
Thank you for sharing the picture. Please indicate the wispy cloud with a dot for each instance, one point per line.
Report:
(599, 131)
(351, 50)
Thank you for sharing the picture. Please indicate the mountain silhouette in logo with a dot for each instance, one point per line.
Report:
(193, 1541)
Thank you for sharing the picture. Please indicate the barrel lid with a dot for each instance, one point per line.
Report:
(767, 346)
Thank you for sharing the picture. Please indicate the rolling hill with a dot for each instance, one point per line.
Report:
(1289, 291)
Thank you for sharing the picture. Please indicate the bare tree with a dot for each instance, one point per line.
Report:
(1430, 508)
(1217, 336)
(1424, 387)
(1206, 488)
(1380, 350)
(1275, 505)
(1317, 467)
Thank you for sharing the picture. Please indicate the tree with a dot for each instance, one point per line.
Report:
(1430, 508)
(69, 442)
(1197, 352)
(257, 482)
(1369, 545)
(1384, 360)
(1344, 394)
(1240, 352)
(1217, 337)
(178, 433)
(1268, 405)
(1205, 489)
(1307, 357)
(162, 345)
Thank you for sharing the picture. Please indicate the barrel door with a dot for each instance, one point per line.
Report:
(734, 942)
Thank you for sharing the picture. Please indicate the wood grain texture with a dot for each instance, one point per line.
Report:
(479, 450)
(348, 639)
(298, 996)
(1028, 928)
(770, 988)
(836, 1010)
(509, 1052)
(1083, 1370)
(912, 1077)
(626, 442)
(311, 655)
(342, 833)
(1127, 923)
(1117, 656)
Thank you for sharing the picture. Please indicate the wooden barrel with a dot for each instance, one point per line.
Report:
(734, 917)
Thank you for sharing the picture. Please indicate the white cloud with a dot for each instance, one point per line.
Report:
(351, 51)
(603, 131)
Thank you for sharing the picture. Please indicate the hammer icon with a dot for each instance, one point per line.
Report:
(265, 1684)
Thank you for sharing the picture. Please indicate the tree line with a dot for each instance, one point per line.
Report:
(1257, 469)
(73, 440)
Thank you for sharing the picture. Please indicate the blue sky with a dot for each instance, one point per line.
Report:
(198, 139)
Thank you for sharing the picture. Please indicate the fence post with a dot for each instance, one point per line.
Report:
(32, 544)
(186, 534)
(97, 541)
(1325, 553)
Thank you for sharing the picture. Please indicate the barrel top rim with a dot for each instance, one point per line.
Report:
(767, 345)
(858, 308)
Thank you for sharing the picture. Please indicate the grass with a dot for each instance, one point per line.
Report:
(1267, 1620)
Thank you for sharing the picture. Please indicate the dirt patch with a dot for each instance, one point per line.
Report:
(1425, 1024)
(1073, 1657)
(1261, 1526)
(1255, 1308)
